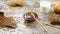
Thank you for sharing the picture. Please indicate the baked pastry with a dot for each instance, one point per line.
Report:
(21, 3)
(29, 18)
(57, 8)
(16, 3)
(6, 22)
(12, 4)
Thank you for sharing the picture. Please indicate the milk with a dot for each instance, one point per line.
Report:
(45, 6)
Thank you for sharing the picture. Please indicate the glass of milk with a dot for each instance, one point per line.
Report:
(45, 9)
(45, 6)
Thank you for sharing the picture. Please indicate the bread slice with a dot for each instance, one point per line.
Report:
(6, 22)
(16, 3)
(53, 17)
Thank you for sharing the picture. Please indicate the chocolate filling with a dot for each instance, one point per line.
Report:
(55, 22)
(18, 5)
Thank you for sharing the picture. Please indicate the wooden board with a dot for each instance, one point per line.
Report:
(48, 23)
